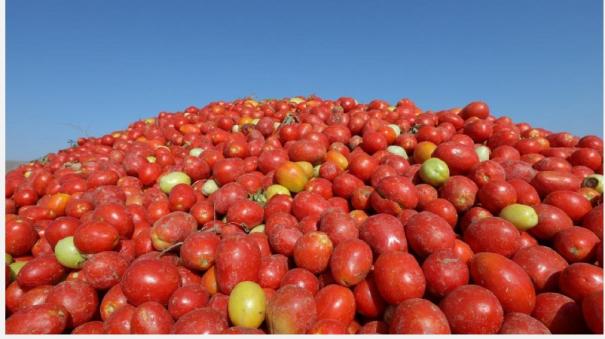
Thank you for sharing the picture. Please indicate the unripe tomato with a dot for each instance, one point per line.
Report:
(247, 305)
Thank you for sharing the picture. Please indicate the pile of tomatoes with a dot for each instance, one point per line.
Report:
(306, 215)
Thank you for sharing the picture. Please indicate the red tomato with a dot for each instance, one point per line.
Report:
(398, 277)
(472, 309)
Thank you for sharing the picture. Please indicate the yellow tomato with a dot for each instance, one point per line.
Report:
(292, 176)
(247, 304)
(338, 159)
(307, 167)
(276, 189)
(258, 229)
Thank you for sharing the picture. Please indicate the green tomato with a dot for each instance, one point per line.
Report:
(434, 171)
(396, 129)
(247, 305)
(195, 152)
(209, 187)
(397, 150)
(168, 181)
(8, 259)
(483, 152)
(258, 229)
(522, 216)
(67, 253)
(15, 268)
(594, 181)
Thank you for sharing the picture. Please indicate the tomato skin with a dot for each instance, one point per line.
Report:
(551, 220)
(444, 271)
(394, 194)
(321, 186)
(291, 310)
(328, 326)
(547, 182)
(104, 270)
(477, 109)
(374, 142)
(497, 194)
(526, 193)
(426, 195)
(493, 234)
(368, 301)
(151, 318)
(593, 221)
(307, 150)
(344, 185)
(335, 302)
(543, 265)
(20, 236)
(172, 228)
(458, 157)
(580, 279)
(592, 309)
(42, 270)
(302, 278)
(271, 270)
(383, 232)
(187, 298)
(309, 204)
(444, 209)
(561, 314)
(338, 226)
(419, 316)
(283, 238)
(313, 251)
(588, 157)
(553, 164)
(351, 261)
(576, 244)
(39, 319)
(226, 196)
(245, 212)
(237, 259)
(91, 327)
(113, 300)
(78, 298)
(205, 320)
(521, 323)
(427, 232)
(150, 280)
(572, 203)
(499, 275)
(472, 309)
(460, 191)
(398, 277)
(32, 297)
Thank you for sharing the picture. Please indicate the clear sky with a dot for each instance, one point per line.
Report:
(92, 67)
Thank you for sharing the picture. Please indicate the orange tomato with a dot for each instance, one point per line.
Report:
(423, 151)
(209, 281)
(189, 129)
(292, 176)
(337, 158)
(57, 202)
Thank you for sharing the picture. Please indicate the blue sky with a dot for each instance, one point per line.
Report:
(92, 67)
